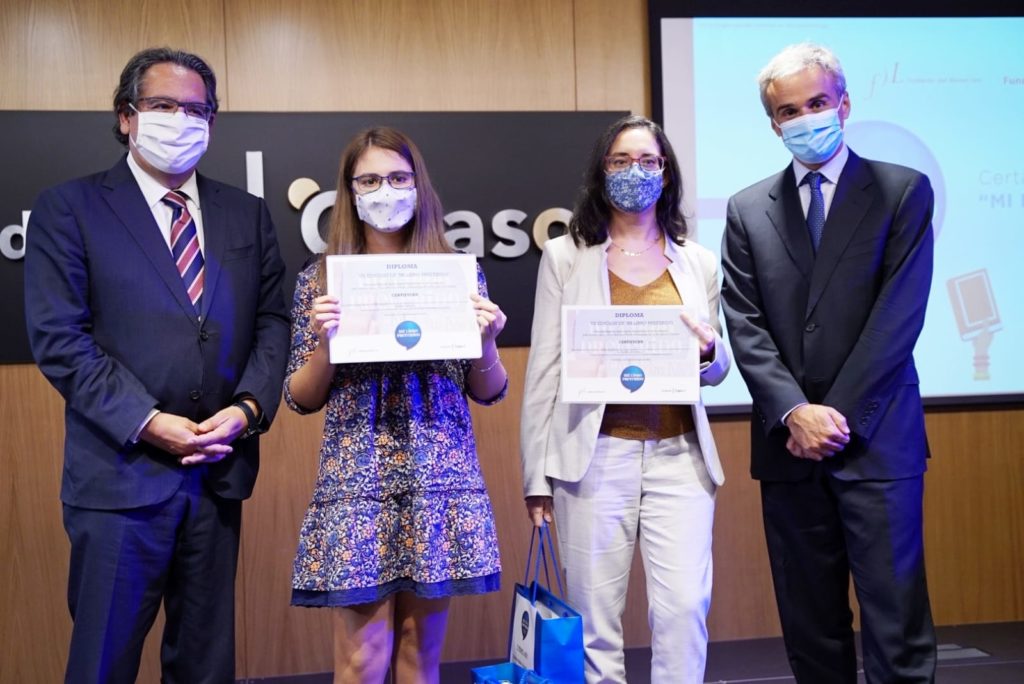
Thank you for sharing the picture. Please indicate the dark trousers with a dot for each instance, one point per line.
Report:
(822, 530)
(184, 552)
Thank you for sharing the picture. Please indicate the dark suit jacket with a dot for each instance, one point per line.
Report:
(837, 329)
(112, 328)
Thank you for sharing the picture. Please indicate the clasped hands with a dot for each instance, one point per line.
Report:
(816, 432)
(194, 443)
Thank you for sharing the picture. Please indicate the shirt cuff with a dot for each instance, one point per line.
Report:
(134, 439)
(786, 414)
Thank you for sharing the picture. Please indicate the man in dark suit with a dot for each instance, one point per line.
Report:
(827, 267)
(159, 317)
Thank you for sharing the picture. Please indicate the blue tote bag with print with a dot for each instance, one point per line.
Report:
(546, 634)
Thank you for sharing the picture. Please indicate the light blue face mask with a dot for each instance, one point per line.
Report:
(633, 190)
(813, 138)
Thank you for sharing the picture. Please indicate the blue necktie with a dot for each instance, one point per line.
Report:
(816, 211)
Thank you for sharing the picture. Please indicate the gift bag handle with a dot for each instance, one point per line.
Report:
(543, 533)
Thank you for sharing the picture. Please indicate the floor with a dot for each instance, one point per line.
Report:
(968, 654)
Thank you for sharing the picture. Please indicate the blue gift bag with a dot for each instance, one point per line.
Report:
(546, 634)
(506, 673)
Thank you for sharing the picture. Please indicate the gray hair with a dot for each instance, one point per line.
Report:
(796, 58)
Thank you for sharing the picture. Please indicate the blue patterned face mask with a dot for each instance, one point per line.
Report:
(634, 189)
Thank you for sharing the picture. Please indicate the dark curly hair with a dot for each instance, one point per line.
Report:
(129, 88)
(592, 213)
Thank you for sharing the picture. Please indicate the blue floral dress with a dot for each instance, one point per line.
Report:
(399, 502)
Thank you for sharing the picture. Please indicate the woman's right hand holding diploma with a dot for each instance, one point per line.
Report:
(705, 335)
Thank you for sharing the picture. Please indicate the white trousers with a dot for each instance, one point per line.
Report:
(662, 495)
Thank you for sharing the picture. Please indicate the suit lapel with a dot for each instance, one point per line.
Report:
(123, 196)
(215, 223)
(849, 206)
(787, 216)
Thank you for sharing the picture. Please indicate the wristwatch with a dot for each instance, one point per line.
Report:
(252, 423)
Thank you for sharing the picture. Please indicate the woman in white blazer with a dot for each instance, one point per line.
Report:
(612, 474)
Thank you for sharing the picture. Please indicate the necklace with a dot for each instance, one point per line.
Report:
(635, 254)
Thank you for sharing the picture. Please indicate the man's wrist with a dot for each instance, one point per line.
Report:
(252, 421)
(787, 414)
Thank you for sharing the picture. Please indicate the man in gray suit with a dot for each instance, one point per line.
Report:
(827, 269)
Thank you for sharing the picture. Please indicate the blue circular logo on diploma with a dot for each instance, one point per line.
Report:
(632, 378)
(408, 334)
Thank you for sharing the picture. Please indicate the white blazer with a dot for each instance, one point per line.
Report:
(557, 440)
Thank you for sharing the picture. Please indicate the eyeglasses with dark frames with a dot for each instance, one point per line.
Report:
(371, 182)
(166, 105)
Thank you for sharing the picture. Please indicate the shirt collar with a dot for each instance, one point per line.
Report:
(153, 191)
(831, 170)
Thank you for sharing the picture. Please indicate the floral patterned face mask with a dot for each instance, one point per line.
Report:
(633, 190)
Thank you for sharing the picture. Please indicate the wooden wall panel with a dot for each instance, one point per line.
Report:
(280, 639)
(743, 601)
(68, 54)
(612, 70)
(34, 622)
(974, 515)
(403, 55)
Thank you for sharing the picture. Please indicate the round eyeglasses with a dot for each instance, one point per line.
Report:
(371, 182)
(651, 163)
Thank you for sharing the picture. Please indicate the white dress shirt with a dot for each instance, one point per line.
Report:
(831, 170)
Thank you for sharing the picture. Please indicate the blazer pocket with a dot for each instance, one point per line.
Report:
(239, 252)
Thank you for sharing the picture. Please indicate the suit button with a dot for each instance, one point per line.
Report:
(203, 335)
(194, 395)
(811, 327)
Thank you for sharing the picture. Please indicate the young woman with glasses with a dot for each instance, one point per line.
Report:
(400, 519)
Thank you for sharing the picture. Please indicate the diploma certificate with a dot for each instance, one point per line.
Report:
(403, 307)
(628, 355)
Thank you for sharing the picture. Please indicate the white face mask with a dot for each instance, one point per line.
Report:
(387, 209)
(172, 143)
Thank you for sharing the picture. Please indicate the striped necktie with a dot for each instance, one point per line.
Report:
(816, 210)
(185, 247)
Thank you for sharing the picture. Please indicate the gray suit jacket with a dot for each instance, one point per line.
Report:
(838, 328)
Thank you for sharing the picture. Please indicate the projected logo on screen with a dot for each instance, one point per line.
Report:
(977, 317)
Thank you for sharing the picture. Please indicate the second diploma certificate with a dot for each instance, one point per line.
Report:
(628, 355)
(403, 307)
